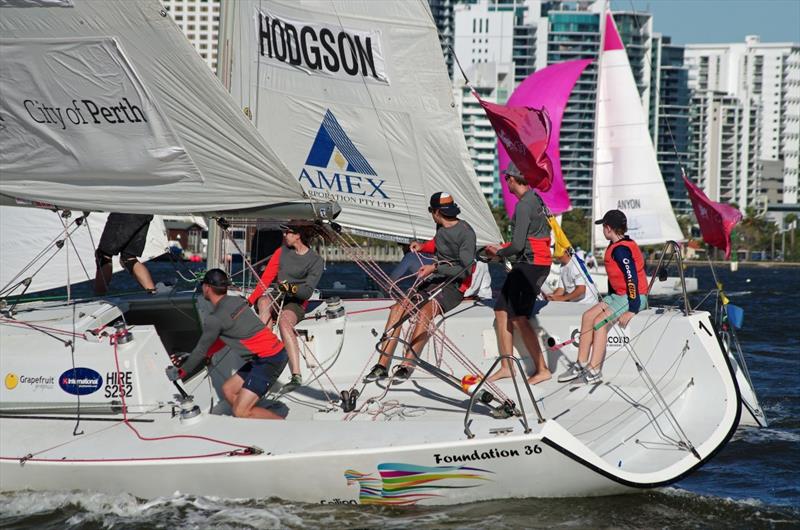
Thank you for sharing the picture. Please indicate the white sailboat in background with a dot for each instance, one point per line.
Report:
(626, 172)
(85, 403)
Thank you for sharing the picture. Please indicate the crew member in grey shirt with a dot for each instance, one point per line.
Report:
(529, 251)
(297, 269)
(445, 280)
(232, 323)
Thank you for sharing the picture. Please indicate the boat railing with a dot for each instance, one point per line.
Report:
(673, 249)
(519, 372)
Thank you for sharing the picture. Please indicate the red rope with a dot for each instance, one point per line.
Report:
(242, 450)
(158, 438)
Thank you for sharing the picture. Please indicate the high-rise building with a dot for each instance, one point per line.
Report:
(199, 21)
(669, 118)
(442, 11)
(765, 79)
(532, 34)
(493, 82)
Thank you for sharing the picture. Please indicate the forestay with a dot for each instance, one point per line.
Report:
(106, 106)
(354, 97)
(627, 176)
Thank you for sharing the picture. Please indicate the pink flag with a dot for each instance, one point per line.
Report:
(716, 219)
(548, 88)
(525, 134)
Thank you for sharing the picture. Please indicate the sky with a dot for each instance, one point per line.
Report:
(704, 21)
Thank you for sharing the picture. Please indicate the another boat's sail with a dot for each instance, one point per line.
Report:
(548, 88)
(626, 172)
(27, 232)
(106, 106)
(354, 97)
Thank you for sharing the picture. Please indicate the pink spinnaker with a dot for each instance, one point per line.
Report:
(549, 88)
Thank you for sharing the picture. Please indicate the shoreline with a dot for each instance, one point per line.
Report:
(726, 264)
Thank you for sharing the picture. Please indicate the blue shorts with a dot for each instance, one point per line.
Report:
(261, 373)
(618, 304)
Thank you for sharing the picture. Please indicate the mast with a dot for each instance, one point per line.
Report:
(595, 195)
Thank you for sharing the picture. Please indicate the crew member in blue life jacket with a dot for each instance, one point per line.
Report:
(233, 324)
(627, 288)
(530, 250)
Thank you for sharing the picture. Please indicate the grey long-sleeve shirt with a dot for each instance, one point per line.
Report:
(304, 270)
(456, 245)
(232, 321)
(529, 220)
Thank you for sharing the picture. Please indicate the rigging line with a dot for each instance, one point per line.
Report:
(72, 243)
(38, 256)
(660, 398)
(385, 137)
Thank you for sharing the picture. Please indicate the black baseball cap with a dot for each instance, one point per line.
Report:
(445, 203)
(615, 220)
(216, 278)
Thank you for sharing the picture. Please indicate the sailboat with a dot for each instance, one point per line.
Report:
(626, 172)
(85, 403)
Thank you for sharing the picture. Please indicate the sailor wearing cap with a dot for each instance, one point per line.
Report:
(529, 251)
(627, 288)
(444, 281)
(232, 323)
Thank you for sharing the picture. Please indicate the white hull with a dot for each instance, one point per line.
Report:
(602, 439)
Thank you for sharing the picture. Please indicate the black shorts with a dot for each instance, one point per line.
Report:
(521, 288)
(261, 373)
(448, 298)
(124, 233)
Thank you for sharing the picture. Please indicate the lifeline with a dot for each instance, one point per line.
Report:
(475, 455)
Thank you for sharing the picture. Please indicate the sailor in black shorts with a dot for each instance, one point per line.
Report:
(233, 323)
(530, 252)
(124, 234)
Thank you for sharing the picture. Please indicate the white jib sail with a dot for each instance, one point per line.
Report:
(626, 172)
(355, 99)
(107, 107)
(25, 232)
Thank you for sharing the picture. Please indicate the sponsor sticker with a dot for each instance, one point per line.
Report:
(80, 381)
(34, 382)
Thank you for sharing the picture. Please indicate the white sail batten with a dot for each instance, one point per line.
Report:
(25, 232)
(626, 172)
(107, 107)
(354, 97)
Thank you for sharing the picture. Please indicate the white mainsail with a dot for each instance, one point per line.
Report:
(25, 232)
(107, 107)
(355, 99)
(626, 172)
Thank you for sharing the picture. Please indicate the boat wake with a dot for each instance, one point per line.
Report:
(672, 507)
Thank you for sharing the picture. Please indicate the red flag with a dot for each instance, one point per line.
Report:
(716, 219)
(525, 133)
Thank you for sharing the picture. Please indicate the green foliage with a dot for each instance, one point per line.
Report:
(576, 225)
(502, 220)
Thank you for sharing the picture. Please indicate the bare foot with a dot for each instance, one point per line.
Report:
(539, 377)
(503, 373)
